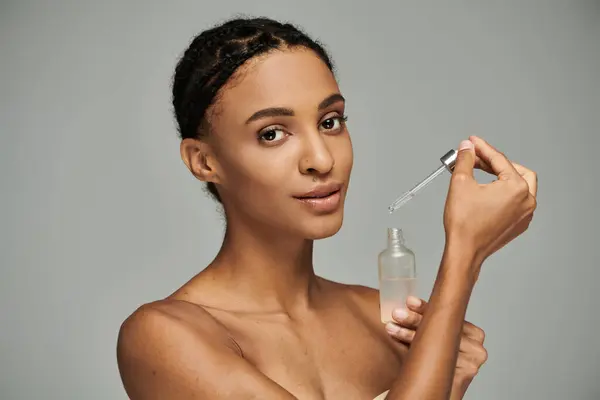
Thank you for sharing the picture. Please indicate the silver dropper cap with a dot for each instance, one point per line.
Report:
(449, 160)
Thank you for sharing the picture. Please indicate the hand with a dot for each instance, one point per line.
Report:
(471, 356)
(485, 217)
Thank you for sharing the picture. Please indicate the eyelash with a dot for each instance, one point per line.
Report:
(341, 119)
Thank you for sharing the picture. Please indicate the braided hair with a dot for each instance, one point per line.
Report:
(213, 57)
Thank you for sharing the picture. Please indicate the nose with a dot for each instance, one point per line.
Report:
(316, 158)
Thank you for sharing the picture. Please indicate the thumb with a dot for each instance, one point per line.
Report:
(465, 159)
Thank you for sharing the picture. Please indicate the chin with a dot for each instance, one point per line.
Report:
(322, 226)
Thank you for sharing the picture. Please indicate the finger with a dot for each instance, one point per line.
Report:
(480, 164)
(466, 369)
(470, 330)
(407, 318)
(529, 176)
(416, 304)
(464, 361)
(465, 160)
(472, 350)
(399, 333)
(474, 332)
(464, 364)
(499, 164)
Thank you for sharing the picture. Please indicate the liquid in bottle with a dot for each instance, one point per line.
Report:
(397, 274)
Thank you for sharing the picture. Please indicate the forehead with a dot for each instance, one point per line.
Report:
(295, 78)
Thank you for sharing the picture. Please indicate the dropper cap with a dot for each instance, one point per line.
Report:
(449, 159)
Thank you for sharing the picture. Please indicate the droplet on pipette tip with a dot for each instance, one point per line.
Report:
(400, 202)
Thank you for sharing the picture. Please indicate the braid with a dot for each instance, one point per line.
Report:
(213, 57)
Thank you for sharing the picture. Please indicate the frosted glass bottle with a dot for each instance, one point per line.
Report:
(397, 274)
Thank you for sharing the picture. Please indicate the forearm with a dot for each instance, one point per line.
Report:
(428, 370)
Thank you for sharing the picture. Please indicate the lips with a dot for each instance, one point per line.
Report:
(317, 196)
(323, 199)
(321, 191)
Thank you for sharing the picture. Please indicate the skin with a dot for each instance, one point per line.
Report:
(257, 322)
(472, 354)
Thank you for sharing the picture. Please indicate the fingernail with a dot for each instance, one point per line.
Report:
(392, 328)
(400, 313)
(465, 145)
(413, 301)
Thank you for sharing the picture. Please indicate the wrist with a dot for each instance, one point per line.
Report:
(460, 385)
(462, 256)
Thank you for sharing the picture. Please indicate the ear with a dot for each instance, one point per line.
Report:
(199, 158)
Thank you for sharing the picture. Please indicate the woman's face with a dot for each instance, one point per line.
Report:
(277, 134)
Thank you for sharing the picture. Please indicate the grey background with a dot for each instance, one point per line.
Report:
(98, 213)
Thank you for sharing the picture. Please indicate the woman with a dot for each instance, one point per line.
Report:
(262, 122)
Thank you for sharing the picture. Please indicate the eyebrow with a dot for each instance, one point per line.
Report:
(334, 98)
(288, 112)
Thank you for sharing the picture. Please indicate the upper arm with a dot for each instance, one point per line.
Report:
(162, 357)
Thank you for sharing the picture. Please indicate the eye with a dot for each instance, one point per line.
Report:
(272, 135)
(333, 123)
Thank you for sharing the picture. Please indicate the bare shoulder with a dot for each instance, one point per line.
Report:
(364, 297)
(161, 331)
(364, 293)
(175, 349)
(161, 319)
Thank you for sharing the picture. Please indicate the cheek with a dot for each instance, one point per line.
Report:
(341, 148)
(259, 172)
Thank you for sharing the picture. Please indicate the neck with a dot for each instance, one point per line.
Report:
(271, 272)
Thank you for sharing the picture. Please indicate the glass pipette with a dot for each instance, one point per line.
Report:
(448, 160)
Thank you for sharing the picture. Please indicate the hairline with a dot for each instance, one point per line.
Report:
(215, 108)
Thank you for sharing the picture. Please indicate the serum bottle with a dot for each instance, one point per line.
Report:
(397, 274)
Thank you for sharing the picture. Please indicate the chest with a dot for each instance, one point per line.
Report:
(344, 357)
